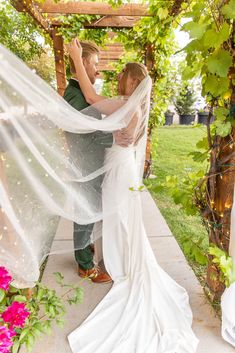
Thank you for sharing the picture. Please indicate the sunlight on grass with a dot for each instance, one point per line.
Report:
(171, 146)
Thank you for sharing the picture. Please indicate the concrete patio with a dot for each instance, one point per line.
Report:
(206, 324)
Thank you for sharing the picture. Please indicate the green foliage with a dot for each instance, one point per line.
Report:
(182, 190)
(46, 307)
(228, 10)
(225, 263)
(44, 66)
(19, 32)
(155, 34)
(177, 174)
(73, 26)
(209, 54)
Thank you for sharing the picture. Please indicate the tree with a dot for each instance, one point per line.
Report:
(185, 101)
(19, 33)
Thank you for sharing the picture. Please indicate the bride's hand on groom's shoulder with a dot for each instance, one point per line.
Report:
(74, 49)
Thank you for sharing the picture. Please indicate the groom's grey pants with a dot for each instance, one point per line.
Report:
(84, 257)
(82, 233)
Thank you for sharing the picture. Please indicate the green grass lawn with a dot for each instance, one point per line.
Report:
(171, 146)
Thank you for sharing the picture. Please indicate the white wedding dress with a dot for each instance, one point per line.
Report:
(145, 311)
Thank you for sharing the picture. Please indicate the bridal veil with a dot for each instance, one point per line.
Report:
(40, 178)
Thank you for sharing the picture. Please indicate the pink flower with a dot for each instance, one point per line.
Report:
(5, 278)
(16, 314)
(6, 342)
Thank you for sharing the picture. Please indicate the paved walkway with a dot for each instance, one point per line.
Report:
(206, 324)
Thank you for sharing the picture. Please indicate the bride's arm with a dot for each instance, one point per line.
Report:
(106, 106)
(75, 52)
(136, 129)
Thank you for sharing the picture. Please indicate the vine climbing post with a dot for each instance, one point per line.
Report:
(58, 46)
(149, 62)
(220, 184)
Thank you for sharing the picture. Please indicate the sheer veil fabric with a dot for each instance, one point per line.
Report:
(42, 175)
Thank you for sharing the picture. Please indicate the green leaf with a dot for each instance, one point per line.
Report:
(39, 326)
(220, 62)
(223, 129)
(203, 143)
(60, 323)
(46, 326)
(20, 298)
(2, 295)
(221, 113)
(216, 85)
(200, 257)
(199, 156)
(29, 342)
(142, 187)
(13, 289)
(228, 10)
(41, 292)
(23, 334)
(196, 30)
(59, 277)
(16, 346)
(162, 13)
(213, 39)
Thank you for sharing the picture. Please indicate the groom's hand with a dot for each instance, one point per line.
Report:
(122, 138)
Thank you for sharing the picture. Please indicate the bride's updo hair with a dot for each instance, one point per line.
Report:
(136, 71)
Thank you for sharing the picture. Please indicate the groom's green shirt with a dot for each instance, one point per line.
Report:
(89, 148)
(87, 151)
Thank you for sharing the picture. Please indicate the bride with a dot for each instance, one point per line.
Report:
(145, 311)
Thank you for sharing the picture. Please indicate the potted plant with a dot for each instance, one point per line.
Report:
(168, 117)
(203, 115)
(184, 106)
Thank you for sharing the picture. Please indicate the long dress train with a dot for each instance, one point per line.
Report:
(145, 311)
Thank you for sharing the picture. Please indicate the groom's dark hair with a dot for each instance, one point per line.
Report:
(88, 48)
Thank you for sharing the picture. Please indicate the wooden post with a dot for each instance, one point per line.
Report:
(58, 45)
(149, 62)
(149, 57)
(220, 188)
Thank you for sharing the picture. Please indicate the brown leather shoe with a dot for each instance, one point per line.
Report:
(95, 274)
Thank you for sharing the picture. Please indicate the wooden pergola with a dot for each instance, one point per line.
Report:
(46, 14)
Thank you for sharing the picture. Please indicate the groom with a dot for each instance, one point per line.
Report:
(97, 142)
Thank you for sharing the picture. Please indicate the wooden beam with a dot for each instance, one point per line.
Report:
(93, 8)
(106, 66)
(33, 10)
(58, 46)
(110, 55)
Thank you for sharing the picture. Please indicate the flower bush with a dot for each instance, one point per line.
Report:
(6, 342)
(25, 314)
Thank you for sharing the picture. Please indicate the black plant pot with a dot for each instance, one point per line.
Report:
(186, 119)
(168, 119)
(203, 118)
